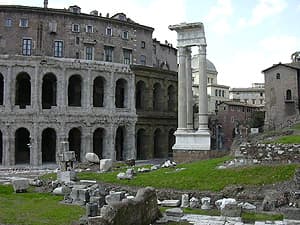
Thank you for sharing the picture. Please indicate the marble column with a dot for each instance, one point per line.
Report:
(182, 100)
(203, 103)
(189, 90)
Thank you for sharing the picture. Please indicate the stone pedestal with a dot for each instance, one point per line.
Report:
(192, 140)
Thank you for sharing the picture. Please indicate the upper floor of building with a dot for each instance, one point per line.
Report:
(68, 33)
(254, 95)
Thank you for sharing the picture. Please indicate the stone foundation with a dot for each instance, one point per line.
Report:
(184, 156)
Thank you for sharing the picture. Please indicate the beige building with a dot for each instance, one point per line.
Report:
(82, 78)
(282, 88)
(216, 93)
(254, 95)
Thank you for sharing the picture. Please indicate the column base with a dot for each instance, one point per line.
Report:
(192, 140)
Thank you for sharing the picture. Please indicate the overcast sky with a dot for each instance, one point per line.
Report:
(243, 37)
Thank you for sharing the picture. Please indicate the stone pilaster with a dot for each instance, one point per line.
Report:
(35, 146)
(87, 91)
(8, 90)
(129, 144)
(35, 95)
(62, 91)
(87, 144)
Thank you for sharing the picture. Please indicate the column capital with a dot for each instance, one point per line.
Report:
(182, 51)
(202, 49)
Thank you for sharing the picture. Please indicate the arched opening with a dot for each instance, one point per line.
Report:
(140, 95)
(171, 98)
(48, 145)
(288, 94)
(22, 146)
(1, 148)
(23, 90)
(157, 97)
(49, 91)
(98, 92)
(171, 142)
(74, 91)
(141, 144)
(1, 89)
(98, 138)
(157, 143)
(75, 142)
(119, 143)
(121, 95)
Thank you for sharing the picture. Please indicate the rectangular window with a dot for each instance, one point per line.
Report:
(108, 31)
(154, 49)
(108, 53)
(253, 101)
(77, 40)
(26, 46)
(8, 22)
(216, 92)
(58, 48)
(125, 35)
(89, 53)
(89, 29)
(23, 22)
(143, 60)
(127, 54)
(261, 101)
(143, 44)
(76, 28)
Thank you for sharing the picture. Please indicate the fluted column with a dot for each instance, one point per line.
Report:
(189, 90)
(203, 102)
(182, 104)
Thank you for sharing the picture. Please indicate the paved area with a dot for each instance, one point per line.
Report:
(219, 220)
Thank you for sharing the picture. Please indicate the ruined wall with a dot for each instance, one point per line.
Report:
(62, 117)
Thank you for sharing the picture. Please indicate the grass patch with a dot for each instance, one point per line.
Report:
(290, 139)
(35, 208)
(252, 217)
(296, 127)
(201, 175)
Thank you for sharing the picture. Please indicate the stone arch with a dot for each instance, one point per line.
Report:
(157, 143)
(98, 92)
(171, 98)
(23, 90)
(74, 91)
(49, 145)
(288, 94)
(141, 143)
(171, 141)
(121, 93)
(22, 146)
(75, 142)
(49, 90)
(157, 97)
(119, 143)
(98, 142)
(1, 89)
(1, 147)
(140, 95)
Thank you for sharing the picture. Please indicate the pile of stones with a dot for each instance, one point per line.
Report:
(260, 152)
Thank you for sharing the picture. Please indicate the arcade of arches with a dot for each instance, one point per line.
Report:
(113, 114)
